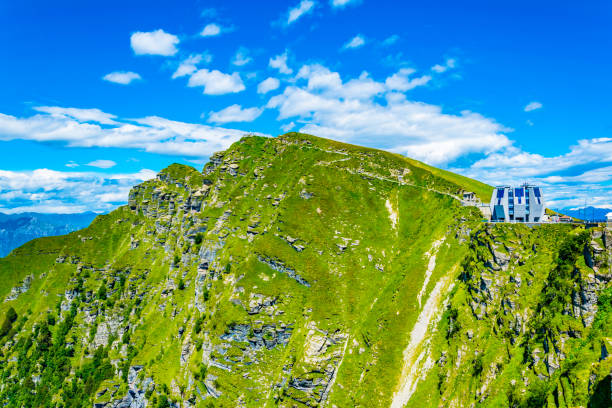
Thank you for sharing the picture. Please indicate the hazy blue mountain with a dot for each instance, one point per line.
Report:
(17, 229)
(588, 213)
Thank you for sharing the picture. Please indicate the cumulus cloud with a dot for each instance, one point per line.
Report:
(267, 85)
(355, 42)
(531, 106)
(156, 42)
(235, 113)
(242, 57)
(82, 115)
(584, 171)
(377, 114)
(211, 30)
(189, 65)
(305, 7)
(44, 190)
(216, 82)
(400, 81)
(288, 126)
(102, 164)
(151, 134)
(449, 64)
(343, 3)
(320, 78)
(280, 62)
(121, 77)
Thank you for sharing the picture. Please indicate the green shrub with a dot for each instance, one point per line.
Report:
(163, 402)
(11, 315)
(102, 292)
(7, 325)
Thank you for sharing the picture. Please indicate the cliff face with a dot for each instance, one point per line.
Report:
(298, 271)
(528, 323)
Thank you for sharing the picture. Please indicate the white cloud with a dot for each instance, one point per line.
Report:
(321, 79)
(102, 164)
(44, 190)
(343, 3)
(216, 82)
(121, 77)
(355, 42)
(305, 7)
(151, 134)
(267, 85)
(280, 62)
(287, 127)
(156, 42)
(72, 164)
(568, 178)
(235, 113)
(449, 64)
(82, 115)
(352, 111)
(242, 57)
(400, 81)
(189, 65)
(531, 106)
(211, 30)
(391, 40)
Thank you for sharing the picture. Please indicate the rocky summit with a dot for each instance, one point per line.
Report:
(301, 272)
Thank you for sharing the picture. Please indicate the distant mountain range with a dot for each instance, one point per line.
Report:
(587, 213)
(17, 229)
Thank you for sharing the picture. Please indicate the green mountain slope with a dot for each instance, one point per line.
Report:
(298, 271)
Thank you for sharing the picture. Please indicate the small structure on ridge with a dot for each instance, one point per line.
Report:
(518, 204)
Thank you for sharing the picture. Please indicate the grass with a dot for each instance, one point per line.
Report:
(364, 271)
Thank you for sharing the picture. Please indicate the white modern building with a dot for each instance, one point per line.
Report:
(517, 204)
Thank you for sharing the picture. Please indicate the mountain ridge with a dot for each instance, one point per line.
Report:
(298, 271)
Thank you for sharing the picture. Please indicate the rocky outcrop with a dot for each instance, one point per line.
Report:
(323, 354)
(23, 287)
(135, 396)
(279, 266)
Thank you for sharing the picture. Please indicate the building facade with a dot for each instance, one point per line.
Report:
(517, 204)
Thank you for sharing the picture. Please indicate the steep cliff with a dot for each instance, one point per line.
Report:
(528, 323)
(297, 271)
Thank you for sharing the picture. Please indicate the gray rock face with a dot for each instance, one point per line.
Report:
(69, 296)
(216, 160)
(106, 329)
(259, 302)
(135, 396)
(21, 288)
(500, 258)
(280, 267)
(268, 336)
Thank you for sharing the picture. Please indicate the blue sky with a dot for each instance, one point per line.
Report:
(98, 96)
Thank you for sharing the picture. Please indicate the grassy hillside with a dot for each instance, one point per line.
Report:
(293, 271)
